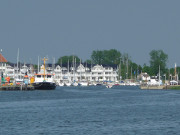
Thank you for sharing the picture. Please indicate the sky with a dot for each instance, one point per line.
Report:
(55, 28)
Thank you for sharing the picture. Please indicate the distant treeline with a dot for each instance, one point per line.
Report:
(126, 67)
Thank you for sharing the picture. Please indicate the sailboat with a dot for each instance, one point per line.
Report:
(44, 81)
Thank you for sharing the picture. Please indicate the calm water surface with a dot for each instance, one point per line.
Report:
(89, 111)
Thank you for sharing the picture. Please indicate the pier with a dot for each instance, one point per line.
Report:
(152, 87)
(157, 87)
(16, 87)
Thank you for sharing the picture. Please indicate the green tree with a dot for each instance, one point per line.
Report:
(88, 62)
(106, 57)
(35, 67)
(64, 60)
(147, 69)
(158, 58)
(111, 57)
(127, 68)
(97, 57)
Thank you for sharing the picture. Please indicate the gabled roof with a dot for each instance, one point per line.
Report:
(2, 59)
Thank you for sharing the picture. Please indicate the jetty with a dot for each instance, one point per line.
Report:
(152, 87)
(160, 87)
(16, 87)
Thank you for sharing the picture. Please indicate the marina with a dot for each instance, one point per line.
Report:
(26, 77)
(89, 67)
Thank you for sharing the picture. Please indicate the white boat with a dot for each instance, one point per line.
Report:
(109, 86)
(74, 84)
(44, 80)
(61, 84)
(67, 84)
(83, 83)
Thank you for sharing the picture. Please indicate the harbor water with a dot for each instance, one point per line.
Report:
(90, 111)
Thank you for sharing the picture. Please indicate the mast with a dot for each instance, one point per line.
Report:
(61, 62)
(86, 73)
(91, 64)
(73, 68)
(159, 75)
(44, 59)
(1, 59)
(1, 67)
(127, 69)
(54, 62)
(68, 66)
(91, 72)
(17, 58)
(137, 72)
(175, 78)
(131, 74)
(68, 70)
(120, 70)
(61, 70)
(80, 71)
(38, 64)
(17, 64)
(75, 64)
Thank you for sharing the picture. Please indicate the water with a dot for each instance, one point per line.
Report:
(90, 111)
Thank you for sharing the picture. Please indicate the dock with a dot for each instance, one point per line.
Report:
(16, 87)
(152, 87)
(157, 87)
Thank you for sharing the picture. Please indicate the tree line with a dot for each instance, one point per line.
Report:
(126, 67)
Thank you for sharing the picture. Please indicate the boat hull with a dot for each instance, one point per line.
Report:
(44, 86)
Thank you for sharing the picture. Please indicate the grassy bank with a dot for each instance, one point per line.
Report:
(174, 87)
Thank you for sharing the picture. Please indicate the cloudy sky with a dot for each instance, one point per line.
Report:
(55, 28)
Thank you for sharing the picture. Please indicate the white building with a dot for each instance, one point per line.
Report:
(98, 73)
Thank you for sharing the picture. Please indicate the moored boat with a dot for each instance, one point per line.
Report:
(44, 85)
(44, 81)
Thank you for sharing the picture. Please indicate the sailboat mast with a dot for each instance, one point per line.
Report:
(120, 70)
(54, 62)
(61, 62)
(159, 74)
(131, 74)
(73, 68)
(44, 59)
(17, 58)
(68, 66)
(127, 69)
(38, 64)
(80, 71)
(1, 67)
(175, 78)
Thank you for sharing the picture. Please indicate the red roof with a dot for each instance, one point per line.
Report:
(2, 59)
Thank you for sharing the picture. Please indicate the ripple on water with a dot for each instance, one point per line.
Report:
(91, 111)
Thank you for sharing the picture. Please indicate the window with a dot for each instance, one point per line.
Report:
(48, 76)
